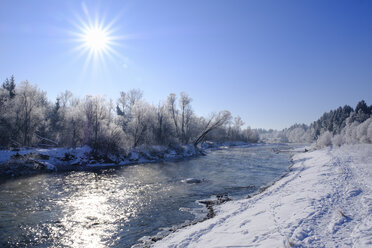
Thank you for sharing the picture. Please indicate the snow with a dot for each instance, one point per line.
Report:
(49, 166)
(56, 159)
(325, 201)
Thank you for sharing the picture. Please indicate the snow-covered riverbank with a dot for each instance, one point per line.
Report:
(29, 161)
(325, 201)
(26, 161)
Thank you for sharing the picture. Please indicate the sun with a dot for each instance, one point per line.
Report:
(96, 39)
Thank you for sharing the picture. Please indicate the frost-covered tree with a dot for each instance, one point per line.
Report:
(27, 118)
(332, 121)
(74, 121)
(235, 130)
(344, 126)
(5, 106)
(55, 117)
(298, 133)
(96, 113)
(182, 117)
(173, 112)
(325, 139)
(362, 107)
(7, 94)
(162, 127)
(124, 106)
(186, 117)
(139, 126)
(250, 135)
(28, 112)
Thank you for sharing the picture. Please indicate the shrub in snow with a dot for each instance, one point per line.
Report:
(369, 131)
(324, 140)
(356, 132)
(337, 140)
(297, 133)
(353, 133)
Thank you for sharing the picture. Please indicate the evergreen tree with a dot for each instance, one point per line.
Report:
(362, 106)
(10, 86)
(55, 118)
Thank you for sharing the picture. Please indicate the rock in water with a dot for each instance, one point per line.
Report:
(192, 180)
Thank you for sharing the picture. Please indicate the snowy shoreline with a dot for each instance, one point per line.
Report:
(324, 201)
(24, 161)
(211, 203)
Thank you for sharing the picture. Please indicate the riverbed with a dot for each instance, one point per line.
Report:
(116, 207)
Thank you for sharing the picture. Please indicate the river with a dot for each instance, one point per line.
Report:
(115, 207)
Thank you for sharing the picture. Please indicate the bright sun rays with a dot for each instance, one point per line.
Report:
(96, 39)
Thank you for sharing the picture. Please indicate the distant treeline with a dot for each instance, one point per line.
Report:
(28, 118)
(343, 125)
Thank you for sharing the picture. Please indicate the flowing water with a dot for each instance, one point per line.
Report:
(116, 207)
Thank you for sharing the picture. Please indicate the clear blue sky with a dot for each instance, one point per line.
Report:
(274, 63)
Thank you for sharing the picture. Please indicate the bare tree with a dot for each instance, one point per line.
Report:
(163, 129)
(235, 130)
(65, 98)
(96, 111)
(73, 132)
(134, 95)
(214, 122)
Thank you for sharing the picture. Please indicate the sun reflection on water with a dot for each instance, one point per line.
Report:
(91, 215)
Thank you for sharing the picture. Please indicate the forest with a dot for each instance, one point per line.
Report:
(29, 119)
(343, 125)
